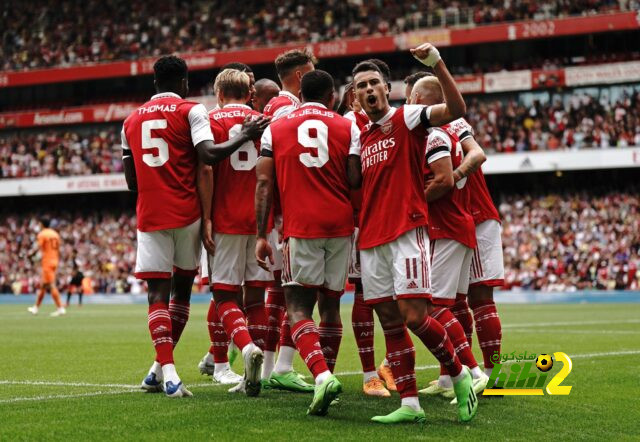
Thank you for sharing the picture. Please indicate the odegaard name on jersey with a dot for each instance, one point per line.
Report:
(157, 108)
(220, 114)
(377, 152)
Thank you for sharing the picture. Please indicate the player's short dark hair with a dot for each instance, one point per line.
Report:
(169, 70)
(382, 67)
(46, 222)
(290, 60)
(365, 66)
(411, 80)
(316, 86)
(237, 66)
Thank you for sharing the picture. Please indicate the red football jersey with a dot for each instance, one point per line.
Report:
(393, 175)
(482, 207)
(360, 118)
(310, 147)
(283, 104)
(235, 177)
(450, 215)
(160, 136)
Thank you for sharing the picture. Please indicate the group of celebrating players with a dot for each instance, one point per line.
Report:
(275, 190)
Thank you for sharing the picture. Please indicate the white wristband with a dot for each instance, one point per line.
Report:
(432, 59)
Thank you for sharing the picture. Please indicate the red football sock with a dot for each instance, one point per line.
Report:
(435, 338)
(234, 323)
(160, 329)
(257, 323)
(285, 333)
(456, 335)
(362, 323)
(219, 339)
(488, 328)
(462, 313)
(275, 307)
(330, 338)
(40, 297)
(179, 312)
(307, 341)
(402, 358)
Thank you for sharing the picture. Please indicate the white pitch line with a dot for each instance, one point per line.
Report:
(66, 384)
(551, 324)
(575, 332)
(578, 356)
(63, 396)
(134, 388)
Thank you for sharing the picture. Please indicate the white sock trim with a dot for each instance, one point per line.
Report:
(368, 375)
(412, 402)
(284, 363)
(322, 377)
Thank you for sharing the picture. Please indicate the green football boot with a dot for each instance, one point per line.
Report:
(325, 393)
(289, 381)
(403, 415)
(467, 399)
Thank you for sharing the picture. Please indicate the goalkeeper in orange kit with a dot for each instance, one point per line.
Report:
(49, 245)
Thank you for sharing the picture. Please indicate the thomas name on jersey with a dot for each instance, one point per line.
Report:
(376, 152)
(157, 108)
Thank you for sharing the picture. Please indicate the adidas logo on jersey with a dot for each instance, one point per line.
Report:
(412, 285)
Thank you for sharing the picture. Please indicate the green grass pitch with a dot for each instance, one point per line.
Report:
(74, 378)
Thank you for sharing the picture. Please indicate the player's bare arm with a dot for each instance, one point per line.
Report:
(204, 184)
(473, 158)
(454, 106)
(264, 196)
(442, 181)
(354, 171)
(128, 164)
(210, 153)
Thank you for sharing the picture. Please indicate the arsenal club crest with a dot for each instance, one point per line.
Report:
(386, 127)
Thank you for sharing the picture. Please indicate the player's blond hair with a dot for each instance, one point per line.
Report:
(232, 83)
(429, 86)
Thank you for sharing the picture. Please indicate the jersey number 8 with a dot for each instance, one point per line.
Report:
(314, 134)
(246, 157)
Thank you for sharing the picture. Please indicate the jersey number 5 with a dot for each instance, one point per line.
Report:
(149, 142)
(314, 134)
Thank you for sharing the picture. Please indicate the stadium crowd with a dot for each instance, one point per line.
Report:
(60, 152)
(568, 242)
(101, 243)
(38, 34)
(579, 122)
(572, 242)
(501, 126)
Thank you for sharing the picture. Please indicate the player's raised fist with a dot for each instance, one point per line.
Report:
(253, 128)
(426, 54)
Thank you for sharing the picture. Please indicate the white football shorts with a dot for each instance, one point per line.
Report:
(162, 252)
(317, 262)
(487, 264)
(398, 269)
(450, 261)
(235, 264)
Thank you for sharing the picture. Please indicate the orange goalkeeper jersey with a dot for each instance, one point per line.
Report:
(49, 243)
